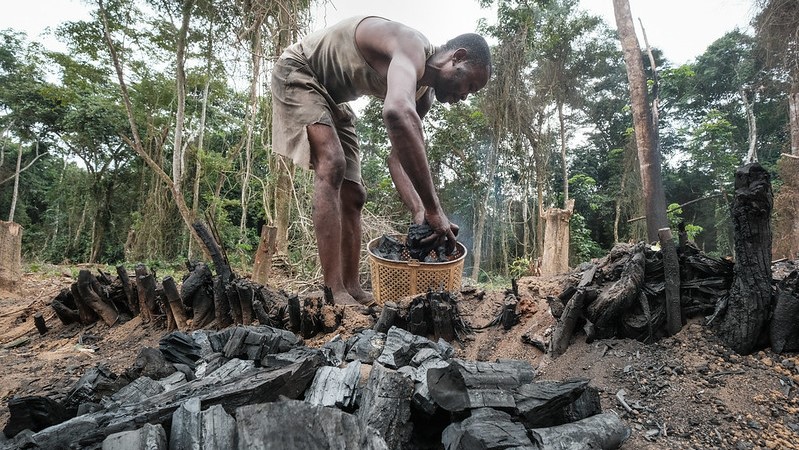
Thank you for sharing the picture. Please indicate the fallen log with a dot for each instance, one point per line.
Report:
(473, 384)
(607, 309)
(486, 429)
(545, 403)
(277, 425)
(564, 329)
(602, 431)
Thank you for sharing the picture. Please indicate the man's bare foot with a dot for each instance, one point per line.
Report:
(344, 298)
(362, 297)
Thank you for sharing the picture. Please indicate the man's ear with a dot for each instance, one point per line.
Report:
(460, 55)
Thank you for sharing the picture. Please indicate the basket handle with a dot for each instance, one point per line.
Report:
(413, 262)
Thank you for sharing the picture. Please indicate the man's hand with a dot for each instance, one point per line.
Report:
(444, 231)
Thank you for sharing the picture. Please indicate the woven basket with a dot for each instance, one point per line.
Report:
(392, 280)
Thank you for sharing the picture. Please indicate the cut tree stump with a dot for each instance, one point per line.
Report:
(749, 304)
(10, 254)
(88, 295)
(671, 273)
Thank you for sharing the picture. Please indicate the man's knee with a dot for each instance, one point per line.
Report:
(353, 194)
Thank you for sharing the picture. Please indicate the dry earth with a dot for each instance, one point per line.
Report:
(684, 392)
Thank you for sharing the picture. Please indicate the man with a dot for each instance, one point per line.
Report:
(313, 125)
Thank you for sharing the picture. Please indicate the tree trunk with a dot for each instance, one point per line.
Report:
(565, 169)
(750, 304)
(136, 143)
(645, 134)
(10, 254)
(267, 246)
(555, 258)
(793, 116)
(671, 273)
(15, 194)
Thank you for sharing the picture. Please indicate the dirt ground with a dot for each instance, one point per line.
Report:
(684, 392)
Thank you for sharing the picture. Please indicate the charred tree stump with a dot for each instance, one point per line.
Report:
(418, 318)
(443, 318)
(145, 288)
(388, 316)
(607, 309)
(221, 304)
(509, 317)
(88, 295)
(671, 273)
(38, 320)
(127, 288)
(246, 296)
(175, 304)
(194, 294)
(750, 297)
(295, 313)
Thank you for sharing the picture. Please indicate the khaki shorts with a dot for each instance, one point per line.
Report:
(299, 100)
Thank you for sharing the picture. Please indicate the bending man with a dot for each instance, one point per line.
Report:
(313, 125)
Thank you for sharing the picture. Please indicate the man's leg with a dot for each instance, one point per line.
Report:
(353, 197)
(329, 165)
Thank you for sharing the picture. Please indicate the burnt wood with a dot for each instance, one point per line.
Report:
(222, 311)
(486, 429)
(175, 305)
(388, 316)
(545, 403)
(90, 297)
(333, 386)
(277, 426)
(127, 288)
(386, 406)
(145, 288)
(750, 304)
(474, 384)
(602, 431)
(607, 309)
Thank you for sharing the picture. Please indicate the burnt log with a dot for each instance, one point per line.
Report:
(607, 309)
(443, 317)
(386, 406)
(749, 305)
(401, 346)
(145, 288)
(246, 297)
(275, 425)
(365, 346)
(194, 292)
(90, 297)
(475, 384)
(175, 305)
(127, 288)
(784, 328)
(148, 437)
(564, 329)
(388, 316)
(545, 403)
(602, 431)
(218, 429)
(418, 318)
(33, 413)
(65, 314)
(486, 429)
(87, 314)
(186, 429)
(256, 386)
(295, 313)
(509, 317)
(333, 386)
(221, 305)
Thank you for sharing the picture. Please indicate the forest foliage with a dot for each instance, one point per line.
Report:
(553, 124)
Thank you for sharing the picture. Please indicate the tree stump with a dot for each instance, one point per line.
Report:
(749, 304)
(10, 254)
(556, 240)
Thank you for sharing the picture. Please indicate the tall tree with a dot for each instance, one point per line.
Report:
(645, 134)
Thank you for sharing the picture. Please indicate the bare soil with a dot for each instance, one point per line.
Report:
(684, 392)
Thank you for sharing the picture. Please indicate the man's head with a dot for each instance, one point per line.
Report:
(467, 69)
